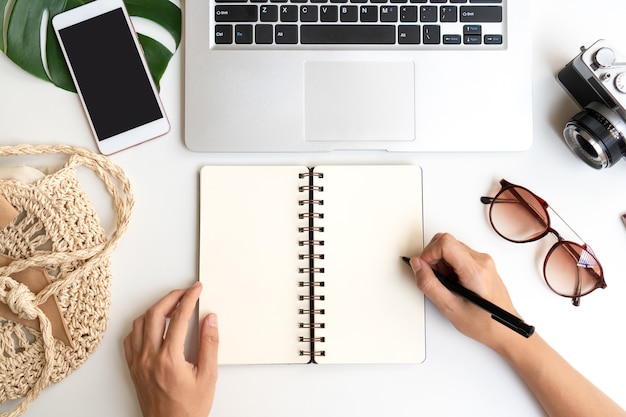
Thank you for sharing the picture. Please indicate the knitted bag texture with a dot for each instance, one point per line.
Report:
(56, 230)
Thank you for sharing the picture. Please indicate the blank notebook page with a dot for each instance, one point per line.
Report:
(250, 266)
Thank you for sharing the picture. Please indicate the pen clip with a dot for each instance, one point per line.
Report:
(522, 328)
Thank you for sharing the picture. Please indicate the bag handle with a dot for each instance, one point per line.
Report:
(118, 186)
(108, 172)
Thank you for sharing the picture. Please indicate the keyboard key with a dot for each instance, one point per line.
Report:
(485, 1)
(472, 39)
(243, 34)
(368, 13)
(458, 1)
(451, 39)
(230, 13)
(308, 14)
(329, 14)
(269, 13)
(432, 35)
(286, 34)
(428, 13)
(289, 13)
(408, 34)
(481, 14)
(438, 1)
(348, 34)
(408, 13)
(472, 30)
(388, 14)
(263, 34)
(493, 39)
(448, 14)
(348, 13)
(223, 34)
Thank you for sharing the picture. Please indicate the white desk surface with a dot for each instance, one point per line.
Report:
(459, 376)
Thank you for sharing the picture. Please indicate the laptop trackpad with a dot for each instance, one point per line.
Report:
(359, 101)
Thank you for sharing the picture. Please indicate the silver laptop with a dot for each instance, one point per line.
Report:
(322, 75)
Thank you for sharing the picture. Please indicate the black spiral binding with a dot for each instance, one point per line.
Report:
(312, 271)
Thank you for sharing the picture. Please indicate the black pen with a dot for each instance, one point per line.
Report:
(497, 313)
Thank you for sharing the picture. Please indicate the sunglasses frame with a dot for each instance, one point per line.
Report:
(507, 186)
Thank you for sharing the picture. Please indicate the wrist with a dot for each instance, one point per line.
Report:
(515, 348)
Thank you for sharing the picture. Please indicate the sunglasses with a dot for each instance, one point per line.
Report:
(518, 215)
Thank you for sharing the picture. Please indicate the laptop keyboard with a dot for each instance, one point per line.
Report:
(418, 24)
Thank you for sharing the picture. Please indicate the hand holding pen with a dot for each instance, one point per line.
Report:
(477, 275)
(497, 313)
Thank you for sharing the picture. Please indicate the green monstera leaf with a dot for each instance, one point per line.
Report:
(27, 37)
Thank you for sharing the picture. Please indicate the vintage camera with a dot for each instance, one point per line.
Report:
(596, 79)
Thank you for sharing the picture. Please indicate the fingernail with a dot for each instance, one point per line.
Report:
(212, 320)
(416, 265)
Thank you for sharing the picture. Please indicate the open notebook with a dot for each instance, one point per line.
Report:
(303, 264)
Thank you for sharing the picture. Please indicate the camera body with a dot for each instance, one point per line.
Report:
(596, 80)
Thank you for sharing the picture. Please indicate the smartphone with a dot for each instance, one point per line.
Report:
(111, 75)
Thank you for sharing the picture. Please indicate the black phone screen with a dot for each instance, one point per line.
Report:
(110, 74)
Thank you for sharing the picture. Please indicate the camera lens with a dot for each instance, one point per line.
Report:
(596, 135)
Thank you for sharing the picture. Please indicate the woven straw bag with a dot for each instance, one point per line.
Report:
(55, 235)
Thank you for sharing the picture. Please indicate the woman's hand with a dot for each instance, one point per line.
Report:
(475, 271)
(166, 384)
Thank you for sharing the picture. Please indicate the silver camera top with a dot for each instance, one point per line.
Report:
(600, 62)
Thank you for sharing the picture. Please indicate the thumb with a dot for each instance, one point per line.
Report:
(428, 283)
(207, 351)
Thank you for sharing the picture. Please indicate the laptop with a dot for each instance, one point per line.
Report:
(324, 75)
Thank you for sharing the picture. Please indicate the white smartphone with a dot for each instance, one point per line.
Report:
(111, 75)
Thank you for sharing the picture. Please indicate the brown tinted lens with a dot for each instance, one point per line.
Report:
(517, 215)
(570, 270)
